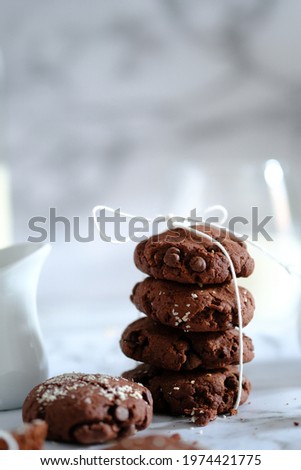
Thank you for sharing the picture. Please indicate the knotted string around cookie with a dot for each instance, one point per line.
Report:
(191, 224)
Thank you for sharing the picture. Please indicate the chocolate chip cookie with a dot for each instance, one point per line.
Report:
(190, 307)
(200, 394)
(154, 442)
(172, 349)
(182, 256)
(89, 409)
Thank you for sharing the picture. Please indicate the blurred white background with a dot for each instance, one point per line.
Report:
(151, 106)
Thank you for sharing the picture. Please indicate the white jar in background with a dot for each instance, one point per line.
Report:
(23, 358)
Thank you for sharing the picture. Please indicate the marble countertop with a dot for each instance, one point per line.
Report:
(267, 421)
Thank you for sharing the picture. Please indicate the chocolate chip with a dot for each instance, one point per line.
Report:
(172, 257)
(121, 413)
(197, 264)
(212, 248)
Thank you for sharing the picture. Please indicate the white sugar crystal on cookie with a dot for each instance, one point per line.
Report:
(86, 408)
(186, 316)
(61, 386)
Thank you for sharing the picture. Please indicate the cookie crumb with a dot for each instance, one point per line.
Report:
(296, 423)
(233, 412)
(29, 436)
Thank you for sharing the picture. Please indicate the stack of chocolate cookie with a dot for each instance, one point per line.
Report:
(189, 342)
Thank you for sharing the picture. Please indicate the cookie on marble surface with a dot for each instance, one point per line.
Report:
(172, 349)
(89, 409)
(182, 256)
(188, 306)
(27, 437)
(155, 442)
(200, 394)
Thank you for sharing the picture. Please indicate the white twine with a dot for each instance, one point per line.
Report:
(186, 225)
(165, 218)
(113, 211)
(287, 267)
(240, 326)
(11, 442)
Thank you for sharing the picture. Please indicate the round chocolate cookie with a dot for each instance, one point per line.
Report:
(190, 307)
(172, 349)
(182, 256)
(154, 442)
(89, 409)
(199, 394)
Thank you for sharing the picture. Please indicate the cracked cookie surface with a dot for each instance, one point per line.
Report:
(211, 308)
(173, 349)
(89, 408)
(200, 394)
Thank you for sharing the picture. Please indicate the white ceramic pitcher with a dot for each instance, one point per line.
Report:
(23, 362)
